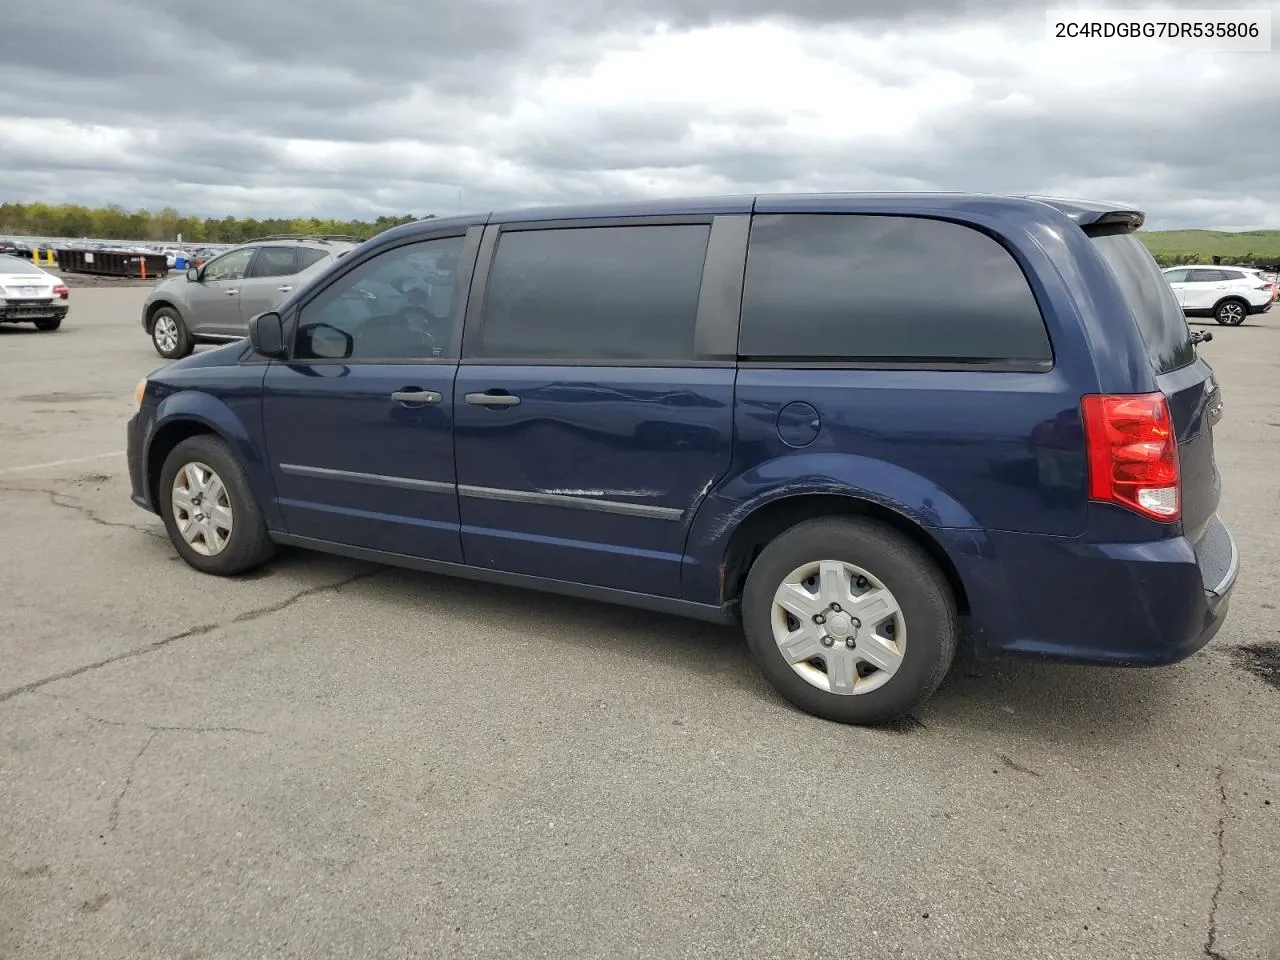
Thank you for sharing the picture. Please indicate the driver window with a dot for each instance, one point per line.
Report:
(230, 266)
(397, 305)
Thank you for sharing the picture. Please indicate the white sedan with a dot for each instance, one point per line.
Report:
(31, 295)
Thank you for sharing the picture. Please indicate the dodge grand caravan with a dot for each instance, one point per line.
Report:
(743, 409)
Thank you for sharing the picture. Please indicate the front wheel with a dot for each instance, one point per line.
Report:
(209, 509)
(849, 620)
(1231, 313)
(169, 334)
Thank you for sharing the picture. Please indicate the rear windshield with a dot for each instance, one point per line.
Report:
(1149, 296)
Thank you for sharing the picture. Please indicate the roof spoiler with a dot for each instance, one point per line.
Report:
(1117, 220)
(1092, 215)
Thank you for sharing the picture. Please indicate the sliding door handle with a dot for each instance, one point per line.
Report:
(492, 399)
(416, 396)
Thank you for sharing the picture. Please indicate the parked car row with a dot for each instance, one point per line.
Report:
(24, 248)
(738, 409)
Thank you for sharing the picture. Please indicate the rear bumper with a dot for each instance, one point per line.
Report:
(1262, 309)
(1124, 604)
(26, 311)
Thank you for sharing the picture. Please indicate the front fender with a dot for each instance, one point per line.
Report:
(235, 416)
(890, 486)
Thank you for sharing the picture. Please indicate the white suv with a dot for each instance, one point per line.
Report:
(1228, 294)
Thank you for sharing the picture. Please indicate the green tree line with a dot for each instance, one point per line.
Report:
(1170, 247)
(113, 222)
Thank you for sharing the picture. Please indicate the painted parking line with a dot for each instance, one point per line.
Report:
(60, 463)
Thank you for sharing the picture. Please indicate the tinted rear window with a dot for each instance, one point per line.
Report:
(1148, 294)
(885, 289)
(274, 262)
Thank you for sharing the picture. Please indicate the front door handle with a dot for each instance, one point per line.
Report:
(231, 293)
(416, 396)
(492, 399)
(285, 289)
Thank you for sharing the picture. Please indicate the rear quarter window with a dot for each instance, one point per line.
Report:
(309, 255)
(1148, 295)
(885, 289)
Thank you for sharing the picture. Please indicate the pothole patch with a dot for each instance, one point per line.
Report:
(1260, 659)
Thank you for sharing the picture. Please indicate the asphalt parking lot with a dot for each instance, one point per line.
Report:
(332, 759)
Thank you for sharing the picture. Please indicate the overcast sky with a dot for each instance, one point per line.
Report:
(355, 109)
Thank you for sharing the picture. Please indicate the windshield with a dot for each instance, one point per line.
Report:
(1148, 294)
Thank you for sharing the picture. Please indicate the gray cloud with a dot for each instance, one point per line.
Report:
(392, 106)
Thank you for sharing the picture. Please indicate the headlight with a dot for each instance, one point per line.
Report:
(138, 393)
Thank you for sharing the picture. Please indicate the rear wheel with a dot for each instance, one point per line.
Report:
(1231, 313)
(50, 323)
(169, 334)
(209, 509)
(849, 620)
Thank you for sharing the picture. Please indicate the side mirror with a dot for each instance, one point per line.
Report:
(266, 335)
(193, 274)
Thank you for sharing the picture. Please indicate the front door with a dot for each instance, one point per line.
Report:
(213, 302)
(359, 421)
(589, 426)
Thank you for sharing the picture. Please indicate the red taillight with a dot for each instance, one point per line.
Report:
(1133, 453)
(61, 290)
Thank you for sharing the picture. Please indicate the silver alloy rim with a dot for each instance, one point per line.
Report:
(839, 627)
(166, 333)
(202, 509)
(1232, 313)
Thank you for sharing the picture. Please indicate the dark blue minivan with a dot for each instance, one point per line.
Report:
(851, 422)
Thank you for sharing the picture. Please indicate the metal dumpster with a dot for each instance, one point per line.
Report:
(113, 263)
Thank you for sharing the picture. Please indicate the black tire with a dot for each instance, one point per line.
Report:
(249, 545)
(922, 592)
(1231, 313)
(182, 345)
(49, 324)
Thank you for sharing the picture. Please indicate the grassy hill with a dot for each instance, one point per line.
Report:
(1190, 246)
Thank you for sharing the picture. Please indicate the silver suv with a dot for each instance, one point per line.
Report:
(214, 302)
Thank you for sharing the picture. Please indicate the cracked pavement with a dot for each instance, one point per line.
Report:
(333, 759)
